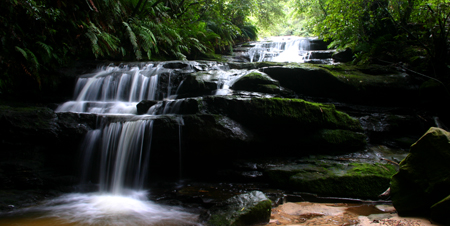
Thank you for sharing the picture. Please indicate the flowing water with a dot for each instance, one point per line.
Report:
(281, 49)
(116, 153)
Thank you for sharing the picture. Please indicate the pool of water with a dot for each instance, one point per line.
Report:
(100, 209)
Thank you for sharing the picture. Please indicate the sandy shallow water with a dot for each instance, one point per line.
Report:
(307, 213)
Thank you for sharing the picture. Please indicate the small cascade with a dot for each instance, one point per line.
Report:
(117, 89)
(281, 49)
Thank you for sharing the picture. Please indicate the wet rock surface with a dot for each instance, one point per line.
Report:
(244, 209)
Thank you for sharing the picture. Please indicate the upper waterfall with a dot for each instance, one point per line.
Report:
(281, 49)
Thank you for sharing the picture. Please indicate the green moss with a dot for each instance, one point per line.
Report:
(362, 76)
(306, 112)
(376, 169)
(341, 138)
(360, 180)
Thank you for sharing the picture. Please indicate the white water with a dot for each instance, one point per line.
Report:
(281, 49)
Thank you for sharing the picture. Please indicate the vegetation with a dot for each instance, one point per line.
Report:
(39, 36)
(408, 31)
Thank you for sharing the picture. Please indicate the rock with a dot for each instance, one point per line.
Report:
(143, 106)
(351, 84)
(40, 146)
(343, 55)
(245, 209)
(198, 84)
(318, 44)
(395, 129)
(260, 112)
(273, 119)
(424, 176)
(332, 178)
(257, 82)
(440, 210)
(322, 54)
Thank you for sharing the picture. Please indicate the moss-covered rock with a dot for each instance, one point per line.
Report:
(424, 175)
(340, 139)
(257, 82)
(440, 210)
(245, 209)
(261, 112)
(291, 125)
(355, 84)
(359, 180)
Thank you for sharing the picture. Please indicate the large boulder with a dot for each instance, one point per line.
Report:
(246, 209)
(292, 126)
(256, 81)
(374, 85)
(424, 176)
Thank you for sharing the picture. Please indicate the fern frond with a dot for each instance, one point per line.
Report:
(46, 47)
(20, 50)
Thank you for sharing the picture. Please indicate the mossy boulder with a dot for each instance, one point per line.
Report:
(424, 176)
(256, 81)
(330, 178)
(440, 210)
(260, 112)
(245, 209)
(291, 125)
(375, 85)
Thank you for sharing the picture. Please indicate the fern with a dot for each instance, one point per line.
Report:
(46, 47)
(20, 50)
(33, 59)
(133, 40)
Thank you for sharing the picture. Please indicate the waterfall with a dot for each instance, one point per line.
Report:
(281, 49)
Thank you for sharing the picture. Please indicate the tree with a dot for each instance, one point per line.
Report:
(389, 30)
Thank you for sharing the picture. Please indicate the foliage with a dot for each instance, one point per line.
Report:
(39, 36)
(390, 30)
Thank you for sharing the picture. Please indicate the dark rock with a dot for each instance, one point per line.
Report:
(440, 210)
(257, 82)
(394, 129)
(323, 54)
(245, 209)
(318, 44)
(143, 106)
(343, 55)
(39, 147)
(423, 179)
(273, 119)
(198, 84)
(346, 83)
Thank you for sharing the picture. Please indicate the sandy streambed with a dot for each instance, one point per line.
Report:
(307, 213)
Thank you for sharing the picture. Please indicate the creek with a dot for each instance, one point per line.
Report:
(126, 154)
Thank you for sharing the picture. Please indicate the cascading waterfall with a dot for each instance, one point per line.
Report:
(281, 49)
(116, 154)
